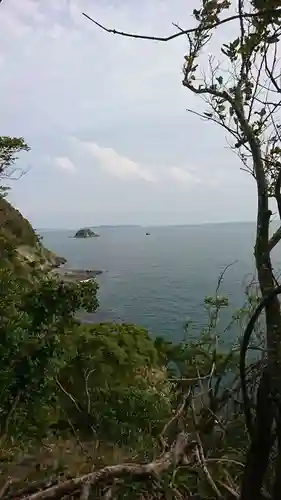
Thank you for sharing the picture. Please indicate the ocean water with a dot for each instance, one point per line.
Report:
(160, 281)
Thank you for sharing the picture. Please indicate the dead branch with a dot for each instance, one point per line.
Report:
(174, 418)
(5, 487)
(181, 449)
(68, 395)
(201, 459)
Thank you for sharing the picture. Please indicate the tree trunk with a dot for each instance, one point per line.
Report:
(259, 451)
(262, 441)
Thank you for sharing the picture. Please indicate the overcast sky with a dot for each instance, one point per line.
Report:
(105, 116)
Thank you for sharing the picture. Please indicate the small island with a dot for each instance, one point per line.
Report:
(86, 233)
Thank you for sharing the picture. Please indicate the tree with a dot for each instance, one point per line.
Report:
(10, 147)
(242, 92)
(39, 333)
(115, 385)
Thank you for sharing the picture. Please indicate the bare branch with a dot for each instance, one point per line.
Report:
(174, 418)
(214, 120)
(201, 459)
(223, 273)
(5, 487)
(270, 71)
(275, 238)
(246, 15)
(68, 395)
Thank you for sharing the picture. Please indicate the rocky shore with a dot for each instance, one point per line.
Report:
(76, 275)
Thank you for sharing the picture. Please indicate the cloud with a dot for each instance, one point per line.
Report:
(116, 164)
(63, 77)
(64, 163)
(183, 176)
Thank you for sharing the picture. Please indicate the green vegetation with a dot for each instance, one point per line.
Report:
(23, 249)
(10, 147)
(15, 227)
(76, 395)
(85, 233)
(127, 416)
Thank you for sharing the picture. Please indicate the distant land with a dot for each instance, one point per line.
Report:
(128, 226)
(119, 225)
(105, 226)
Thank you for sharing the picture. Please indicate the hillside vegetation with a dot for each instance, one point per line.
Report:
(15, 227)
(21, 247)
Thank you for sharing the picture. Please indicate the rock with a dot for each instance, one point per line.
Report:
(59, 261)
(86, 233)
(76, 275)
(39, 257)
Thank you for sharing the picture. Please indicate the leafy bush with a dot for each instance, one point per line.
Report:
(115, 386)
(37, 328)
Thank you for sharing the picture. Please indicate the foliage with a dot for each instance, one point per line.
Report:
(121, 392)
(37, 330)
(111, 385)
(10, 147)
(14, 227)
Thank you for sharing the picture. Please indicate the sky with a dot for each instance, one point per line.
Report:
(106, 117)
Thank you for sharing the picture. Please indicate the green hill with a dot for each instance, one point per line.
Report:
(20, 246)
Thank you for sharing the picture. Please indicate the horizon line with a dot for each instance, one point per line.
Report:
(144, 225)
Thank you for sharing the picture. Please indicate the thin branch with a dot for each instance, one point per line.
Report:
(256, 86)
(233, 494)
(275, 238)
(201, 459)
(68, 395)
(214, 120)
(5, 487)
(89, 402)
(246, 15)
(225, 460)
(222, 274)
(175, 417)
(269, 71)
(10, 415)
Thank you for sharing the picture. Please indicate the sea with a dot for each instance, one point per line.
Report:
(159, 280)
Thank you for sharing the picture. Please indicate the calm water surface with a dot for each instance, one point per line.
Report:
(159, 281)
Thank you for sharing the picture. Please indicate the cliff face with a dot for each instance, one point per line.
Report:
(20, 246)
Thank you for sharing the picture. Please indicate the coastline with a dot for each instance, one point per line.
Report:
(76, 275)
